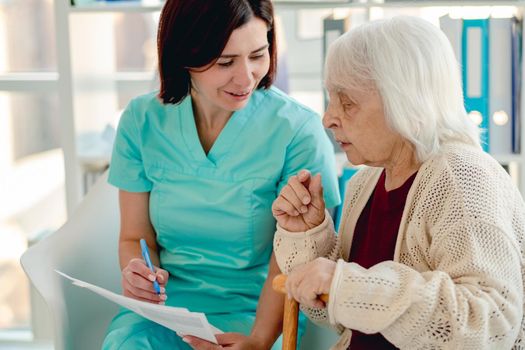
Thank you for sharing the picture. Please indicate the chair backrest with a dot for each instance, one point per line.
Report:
(85, 248)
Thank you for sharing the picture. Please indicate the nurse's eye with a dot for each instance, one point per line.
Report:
(225, 63)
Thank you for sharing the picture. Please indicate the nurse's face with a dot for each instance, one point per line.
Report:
(228, 83)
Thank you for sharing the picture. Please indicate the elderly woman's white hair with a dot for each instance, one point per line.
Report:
(411, 64)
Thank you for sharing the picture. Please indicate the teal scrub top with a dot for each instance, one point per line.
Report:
(212, 212)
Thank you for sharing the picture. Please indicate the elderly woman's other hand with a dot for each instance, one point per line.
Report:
(305, 283)
(300, 205)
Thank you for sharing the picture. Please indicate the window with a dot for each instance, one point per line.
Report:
(31, 163)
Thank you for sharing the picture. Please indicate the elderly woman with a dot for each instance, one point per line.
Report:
(430, 249)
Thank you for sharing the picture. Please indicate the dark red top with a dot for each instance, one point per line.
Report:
(375, 240)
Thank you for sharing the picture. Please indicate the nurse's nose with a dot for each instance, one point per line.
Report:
(243, 75)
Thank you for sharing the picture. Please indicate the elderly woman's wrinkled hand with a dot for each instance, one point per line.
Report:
(305, 283)
(300, 205)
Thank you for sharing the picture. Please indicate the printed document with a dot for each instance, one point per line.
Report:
(178, 319)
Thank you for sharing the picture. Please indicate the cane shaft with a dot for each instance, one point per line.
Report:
(291, 313)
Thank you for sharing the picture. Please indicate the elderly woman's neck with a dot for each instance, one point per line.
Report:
(402, 165)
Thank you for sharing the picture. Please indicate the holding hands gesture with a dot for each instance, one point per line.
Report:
(300, 205)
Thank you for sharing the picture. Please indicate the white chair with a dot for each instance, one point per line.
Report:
(85, 248)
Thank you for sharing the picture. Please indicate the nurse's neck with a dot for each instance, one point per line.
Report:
(207, 115)
(209, 120)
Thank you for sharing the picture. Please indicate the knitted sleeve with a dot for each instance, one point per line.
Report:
(458, 283)
(471, 300)
(297, 248)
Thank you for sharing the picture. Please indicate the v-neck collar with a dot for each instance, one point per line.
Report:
(226, 138)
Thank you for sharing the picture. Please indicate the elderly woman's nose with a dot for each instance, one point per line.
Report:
(329, 120)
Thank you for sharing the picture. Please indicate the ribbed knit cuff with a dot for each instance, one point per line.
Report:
(302, 234)
(334, 287)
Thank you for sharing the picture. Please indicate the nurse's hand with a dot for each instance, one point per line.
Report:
(300, 205)
(137, 282)
(233, 341)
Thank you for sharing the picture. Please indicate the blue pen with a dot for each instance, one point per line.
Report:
(145, 256)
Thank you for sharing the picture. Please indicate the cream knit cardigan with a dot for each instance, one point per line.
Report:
(456, 280)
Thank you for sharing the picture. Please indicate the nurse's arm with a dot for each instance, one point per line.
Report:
(135, 224)
(269, 317)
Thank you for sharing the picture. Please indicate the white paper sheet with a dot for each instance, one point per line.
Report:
(180, 320)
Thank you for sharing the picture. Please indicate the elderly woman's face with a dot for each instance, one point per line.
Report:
(359, 126)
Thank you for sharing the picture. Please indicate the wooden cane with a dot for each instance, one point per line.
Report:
(291, 313)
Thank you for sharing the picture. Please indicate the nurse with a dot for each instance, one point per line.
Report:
(198, 166)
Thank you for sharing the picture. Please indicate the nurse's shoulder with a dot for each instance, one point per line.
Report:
(144, 105)
(286, 113)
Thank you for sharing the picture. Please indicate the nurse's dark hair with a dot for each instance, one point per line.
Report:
(193, 33)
